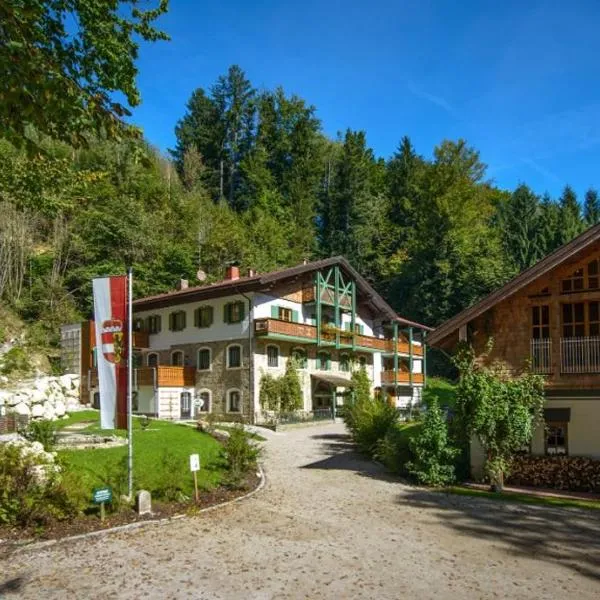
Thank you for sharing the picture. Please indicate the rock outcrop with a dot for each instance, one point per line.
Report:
(42, 398)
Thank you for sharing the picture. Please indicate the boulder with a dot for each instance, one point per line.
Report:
(49, 411)
(37, 411)
(21, 409)
(59, 408)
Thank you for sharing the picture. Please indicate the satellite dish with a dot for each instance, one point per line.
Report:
(201, 275)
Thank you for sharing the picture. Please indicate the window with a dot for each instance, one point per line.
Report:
(593, 271)
(344, 363)
(234, 403)
(284, 314)
(234, 357)
(177, 358)
(177, 320)
(362, 361)
(540, 322)
(299, 355)
(138, 324)
(573, 320)
(272, 356)
(153, 324)
(573, 283)
(233, 312)
(556, 438)
(204, 359)
(152, 359)
(203, 316)
(323, 362)
(204, 397)
(358, 328)
(593, 318)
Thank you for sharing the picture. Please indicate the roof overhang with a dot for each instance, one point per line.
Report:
(335, 380)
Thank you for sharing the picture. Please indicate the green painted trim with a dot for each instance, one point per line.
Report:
(410, 355)
(353, 313)
(395, 326)
(318, 305)
(336, 301)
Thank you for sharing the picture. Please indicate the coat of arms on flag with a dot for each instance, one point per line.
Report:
(113, 341)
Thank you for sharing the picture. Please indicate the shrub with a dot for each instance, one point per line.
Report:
(393, 450)
(15, 361)
(369, 421)
(290, 391)
(42, 431)
(174, 474)
(33, 490)
(116, 477)
(241, 455)
(269, 392)
(433, 456)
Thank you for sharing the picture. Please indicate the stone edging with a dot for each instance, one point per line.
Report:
(26, 546)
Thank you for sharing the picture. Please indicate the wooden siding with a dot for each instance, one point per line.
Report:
(387, 377)
(509, 324)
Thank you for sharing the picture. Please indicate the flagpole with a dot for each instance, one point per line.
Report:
(129, 381)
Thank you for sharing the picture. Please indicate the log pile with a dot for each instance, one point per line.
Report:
(573, 473)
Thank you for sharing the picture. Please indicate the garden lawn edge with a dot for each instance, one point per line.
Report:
(27, 545)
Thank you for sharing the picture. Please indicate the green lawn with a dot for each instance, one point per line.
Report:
(160, 455)
(523, 498)
(440, 389)
(78, 417)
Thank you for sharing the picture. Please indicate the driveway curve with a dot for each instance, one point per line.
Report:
(329, 524)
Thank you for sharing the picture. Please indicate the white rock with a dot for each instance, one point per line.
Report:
(37, 396)
(59, 408)
(48, 411)
(21, 409)
(37, 411)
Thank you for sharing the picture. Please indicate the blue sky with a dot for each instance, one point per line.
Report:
(518, 80)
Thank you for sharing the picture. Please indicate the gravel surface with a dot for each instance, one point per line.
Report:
(329, 524)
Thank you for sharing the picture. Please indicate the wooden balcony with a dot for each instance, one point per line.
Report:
(156, 376)
(387, 377)
(164, 376)
(300, 331)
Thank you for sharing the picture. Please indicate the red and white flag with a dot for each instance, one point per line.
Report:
(110, 315)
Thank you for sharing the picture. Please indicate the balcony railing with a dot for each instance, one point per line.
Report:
(161, 376)
(580, 355)
(541, 355)
(309, 332)
(387, 377)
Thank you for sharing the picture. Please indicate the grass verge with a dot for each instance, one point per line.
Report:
(523, 498)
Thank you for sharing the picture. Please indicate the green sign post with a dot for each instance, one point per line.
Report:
(101, 496)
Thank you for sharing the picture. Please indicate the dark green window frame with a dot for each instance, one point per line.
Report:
(177, 320)
(233, 312)
(203, 316)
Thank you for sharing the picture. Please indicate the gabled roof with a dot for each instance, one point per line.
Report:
(526, 277)
(262, 282)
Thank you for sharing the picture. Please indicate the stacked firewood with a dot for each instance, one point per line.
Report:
(574, 473)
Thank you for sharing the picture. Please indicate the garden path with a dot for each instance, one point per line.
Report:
(329, 524)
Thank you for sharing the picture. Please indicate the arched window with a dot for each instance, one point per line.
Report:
(205, 401)
(323, 361)
(177, 358)
(152, 359)
(344, 363)
(203, 359)
(299, 355)
(234, 356)
(234, 401)
(272, 356)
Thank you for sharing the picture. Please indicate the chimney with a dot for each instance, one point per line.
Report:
(251, 272)
(232, 272)
(182, 284)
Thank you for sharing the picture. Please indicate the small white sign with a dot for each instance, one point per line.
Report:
(194, 462)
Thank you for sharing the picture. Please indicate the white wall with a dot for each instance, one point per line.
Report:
(169, 401)
(218, 331)
(146, 400)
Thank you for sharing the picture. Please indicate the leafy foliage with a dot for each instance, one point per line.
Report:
(42, 431)
(281, 394)
(241, 454)
(502, 413)
(62, 62)
(432, 454)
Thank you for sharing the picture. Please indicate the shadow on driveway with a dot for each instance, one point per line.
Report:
(569, 537)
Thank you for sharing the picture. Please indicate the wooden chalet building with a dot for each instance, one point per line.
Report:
(547, 318)
(205, 348)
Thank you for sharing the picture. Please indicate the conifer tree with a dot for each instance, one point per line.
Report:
(591, 208)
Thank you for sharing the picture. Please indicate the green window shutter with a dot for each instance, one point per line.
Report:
(210, 315)
(295, 316)
(158, 324)
(274, 311)
(362, 329)
(171, 321)
(348, 326)
(197, 318)
(242, 311)
(183, 319)
(226, 313)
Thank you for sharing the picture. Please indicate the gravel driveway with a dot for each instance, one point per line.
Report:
(329, 524)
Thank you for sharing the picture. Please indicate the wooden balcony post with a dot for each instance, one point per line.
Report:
(395, 357)
(410, 354)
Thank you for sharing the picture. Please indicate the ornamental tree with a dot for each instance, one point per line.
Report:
(501, 412)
